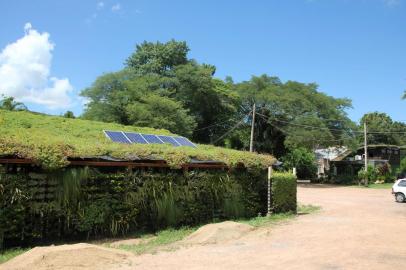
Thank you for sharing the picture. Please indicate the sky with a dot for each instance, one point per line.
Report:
(51, 50)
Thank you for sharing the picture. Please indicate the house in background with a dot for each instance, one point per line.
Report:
(343, 163)
(324, 158)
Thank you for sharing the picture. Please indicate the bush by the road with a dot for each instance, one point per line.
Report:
(284, 190)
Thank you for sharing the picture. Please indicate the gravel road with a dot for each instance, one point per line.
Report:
(356, 229)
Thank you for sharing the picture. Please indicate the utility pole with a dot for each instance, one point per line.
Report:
(252, 129)
(366, 152)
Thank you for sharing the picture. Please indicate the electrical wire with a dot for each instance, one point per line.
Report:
(233, 128)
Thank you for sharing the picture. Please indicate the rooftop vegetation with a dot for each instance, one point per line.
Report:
(51, 140)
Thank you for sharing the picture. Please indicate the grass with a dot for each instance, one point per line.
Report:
(376, 186)
(276, 218)
(153, 243)
(163, 239)
(11, 253)
(50, 140)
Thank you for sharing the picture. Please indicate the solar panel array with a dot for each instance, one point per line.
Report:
(132, 137)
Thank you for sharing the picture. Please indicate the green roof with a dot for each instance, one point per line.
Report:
(52, 140)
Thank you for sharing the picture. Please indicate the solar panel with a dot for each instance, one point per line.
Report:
(135, 137)
(132, 137)
(117, 136)
(152, 138)
(169, 139)
(184, 142)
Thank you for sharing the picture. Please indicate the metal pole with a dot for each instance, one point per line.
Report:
(269, 190)
(365, 152)
(252, 129)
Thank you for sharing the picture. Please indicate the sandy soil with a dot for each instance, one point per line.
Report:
(356, 229)
(222, 232)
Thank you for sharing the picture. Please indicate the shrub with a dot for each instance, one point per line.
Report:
(284, 189)
(303, 160)
(79, 203)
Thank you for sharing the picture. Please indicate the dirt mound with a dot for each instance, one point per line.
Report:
(130, 242)
(70, 257)
(218, 233)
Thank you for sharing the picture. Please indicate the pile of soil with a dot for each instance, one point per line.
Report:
(70, 257)
(218, 233)
(130, 242)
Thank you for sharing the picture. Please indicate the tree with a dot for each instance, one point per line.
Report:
(158, 58)
(382, 129)
(10, 104)
(303, 160)
(124, 98)
(209, 100)
(294, 114)
(69, 114)
(194, 103)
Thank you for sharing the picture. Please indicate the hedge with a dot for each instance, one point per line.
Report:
(284, 192)
(80, 203)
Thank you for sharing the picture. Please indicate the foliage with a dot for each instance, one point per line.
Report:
(371, 174)
(69, 114)
(284, 189)
(401, 171)
(9, 104)
(158, 58)
(122, 98)
(381, 122)
(303, 160)
(44, 206)
(50, 140)
(11, 253)
(294, 114)
(384, 172)
(160, 86)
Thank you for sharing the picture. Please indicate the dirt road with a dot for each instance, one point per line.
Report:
(356, 229)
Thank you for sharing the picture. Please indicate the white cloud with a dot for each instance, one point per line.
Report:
(116, 7)
(25, 67)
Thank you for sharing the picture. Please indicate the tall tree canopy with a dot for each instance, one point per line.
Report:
(160, 86)
(294, 114)
(383, 130)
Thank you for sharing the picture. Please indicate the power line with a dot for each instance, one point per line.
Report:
(332, 129)
(217, 124)
(307, 139)
(308, 126)
(231, 129)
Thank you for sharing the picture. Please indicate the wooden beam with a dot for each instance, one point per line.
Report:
(15, 161)
(130, 164)
(117, 164)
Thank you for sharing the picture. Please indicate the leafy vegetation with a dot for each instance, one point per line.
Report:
(7, 255)
(159, 86)
(284, 192)
(51, 140)
(303, 160)
(10, 104)
(86, 203)
(391, 131)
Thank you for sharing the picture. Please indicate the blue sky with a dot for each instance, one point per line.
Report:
(351, 48)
